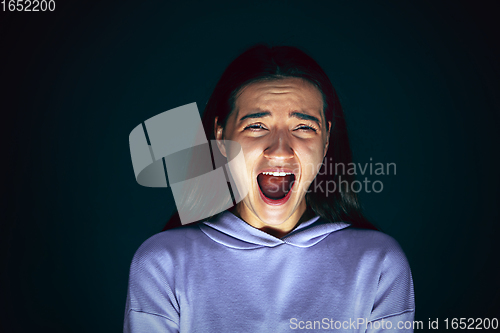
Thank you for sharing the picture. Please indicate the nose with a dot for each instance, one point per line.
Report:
(279, 148)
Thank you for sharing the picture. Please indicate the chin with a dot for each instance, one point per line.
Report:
(275, 215)
(274, 220)
(274, 211)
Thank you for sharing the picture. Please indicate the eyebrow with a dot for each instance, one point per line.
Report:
(305, 116)
(299, 115)
(256, 115)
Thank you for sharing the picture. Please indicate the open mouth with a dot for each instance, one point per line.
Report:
(275, 186)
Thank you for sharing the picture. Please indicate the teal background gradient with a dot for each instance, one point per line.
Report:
(418, 81)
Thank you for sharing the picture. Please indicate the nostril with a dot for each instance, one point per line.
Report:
(279, 151)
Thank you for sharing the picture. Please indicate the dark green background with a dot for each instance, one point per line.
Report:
(419, 83)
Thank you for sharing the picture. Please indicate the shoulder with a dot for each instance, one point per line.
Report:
(371, 244)
(382, 250)
(168, 244)
(391, 269)
(382, 253)
(156, 271)
(369, 239)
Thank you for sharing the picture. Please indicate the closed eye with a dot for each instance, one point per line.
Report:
(255, 127)
(306, 128)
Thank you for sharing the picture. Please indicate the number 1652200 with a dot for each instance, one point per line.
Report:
(28, 5)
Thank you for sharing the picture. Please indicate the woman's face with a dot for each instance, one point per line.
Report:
(283, 133)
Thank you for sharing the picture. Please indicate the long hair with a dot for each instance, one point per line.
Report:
(263, 62)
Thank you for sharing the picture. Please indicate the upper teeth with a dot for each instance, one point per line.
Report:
(277, 173)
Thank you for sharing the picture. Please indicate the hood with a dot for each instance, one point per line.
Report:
(229, 230)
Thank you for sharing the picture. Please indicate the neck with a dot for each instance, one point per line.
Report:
(279, 231)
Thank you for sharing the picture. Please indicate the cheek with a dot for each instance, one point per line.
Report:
(310, 157)
(251, 153)
(241, 168)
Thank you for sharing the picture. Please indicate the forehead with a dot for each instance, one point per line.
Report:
(287, 94)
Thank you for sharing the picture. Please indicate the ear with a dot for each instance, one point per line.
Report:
(219, 136)
(327, 138)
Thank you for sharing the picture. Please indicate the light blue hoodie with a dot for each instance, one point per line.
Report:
(223, 275)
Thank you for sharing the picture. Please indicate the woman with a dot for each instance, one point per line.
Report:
(291, 255)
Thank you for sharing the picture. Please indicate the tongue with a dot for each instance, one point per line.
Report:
(275, 187)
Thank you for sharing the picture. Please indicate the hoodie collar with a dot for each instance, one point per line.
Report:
(229, 230)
